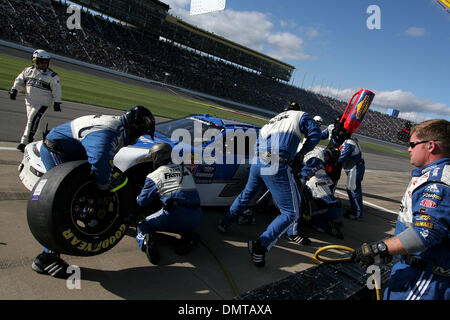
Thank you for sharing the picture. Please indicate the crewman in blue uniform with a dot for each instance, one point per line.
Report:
(278, 154)
(173, 188)
(421, 237)
(354, 166)
(326, 209)
(96, 138)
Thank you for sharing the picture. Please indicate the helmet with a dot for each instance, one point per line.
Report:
(140, 121)
(40, 55)
(159, 154)
(293, 105)
(318, 119)
(333, 153)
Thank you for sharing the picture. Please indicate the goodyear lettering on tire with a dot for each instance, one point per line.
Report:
(93, 246)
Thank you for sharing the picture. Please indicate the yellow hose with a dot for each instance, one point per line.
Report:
(227, 275)
(320, 260)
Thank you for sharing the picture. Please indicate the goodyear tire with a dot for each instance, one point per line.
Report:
(66, 212)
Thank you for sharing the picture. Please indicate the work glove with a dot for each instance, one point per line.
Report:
(13, 94)
(118, 180)
(373, 253)
(57, 106)
(297, 163)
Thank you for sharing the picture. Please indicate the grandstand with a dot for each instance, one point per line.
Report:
(150, 43)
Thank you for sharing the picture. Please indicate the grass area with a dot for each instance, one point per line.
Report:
(79, 87)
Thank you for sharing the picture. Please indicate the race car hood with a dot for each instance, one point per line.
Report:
(131, 155)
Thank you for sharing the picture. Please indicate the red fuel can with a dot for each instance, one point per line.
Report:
(356, 109)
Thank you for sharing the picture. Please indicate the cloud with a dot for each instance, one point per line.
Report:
(287, 24)
(404, 101)
(312, 33)
(252, 29)
(415, 32)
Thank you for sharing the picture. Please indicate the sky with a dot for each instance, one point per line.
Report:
(396, 48)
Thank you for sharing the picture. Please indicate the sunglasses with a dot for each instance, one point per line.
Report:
(413, 144)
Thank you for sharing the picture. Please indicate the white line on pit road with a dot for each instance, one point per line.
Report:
(8, 148)
(369, 203)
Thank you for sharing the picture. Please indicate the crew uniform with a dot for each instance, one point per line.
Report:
(43, 90)
(326, 209)
(173, 186)
(423, 229)
(96, 138)
(354, 166)
(288, 129)
(327, 132)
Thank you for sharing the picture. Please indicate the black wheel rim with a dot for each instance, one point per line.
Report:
(93, 212)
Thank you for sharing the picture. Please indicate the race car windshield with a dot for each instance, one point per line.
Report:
(166, 128)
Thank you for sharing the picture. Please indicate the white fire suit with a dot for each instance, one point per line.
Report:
(42, 90)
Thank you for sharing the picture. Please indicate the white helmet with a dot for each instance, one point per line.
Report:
(318, 119)
(40, 54)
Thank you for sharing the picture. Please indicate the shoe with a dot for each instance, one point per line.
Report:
(21, 147)
(247, 217)
(51, 264)
(350, 216)
(334, 229)
(187, 243)
(222, 227)
(299, 239)
(257, 252)
(150, 248)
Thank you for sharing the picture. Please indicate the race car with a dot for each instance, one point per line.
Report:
(216, 151)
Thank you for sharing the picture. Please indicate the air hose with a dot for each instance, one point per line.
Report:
(227, 275)
(318, 259)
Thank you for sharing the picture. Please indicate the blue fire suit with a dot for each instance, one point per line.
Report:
(318, 185)
(174, 187)
(354, 167)
(423, 229)
(96, 138)
(277, 144)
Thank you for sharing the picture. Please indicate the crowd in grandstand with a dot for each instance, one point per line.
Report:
(110, 44)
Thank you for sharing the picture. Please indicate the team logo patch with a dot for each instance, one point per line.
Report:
(436, 172)
(424, 224)
(432, 188)
(424, 217)
(428, 203)
(431, 195)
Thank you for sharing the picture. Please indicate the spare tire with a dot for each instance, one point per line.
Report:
(68, 214)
